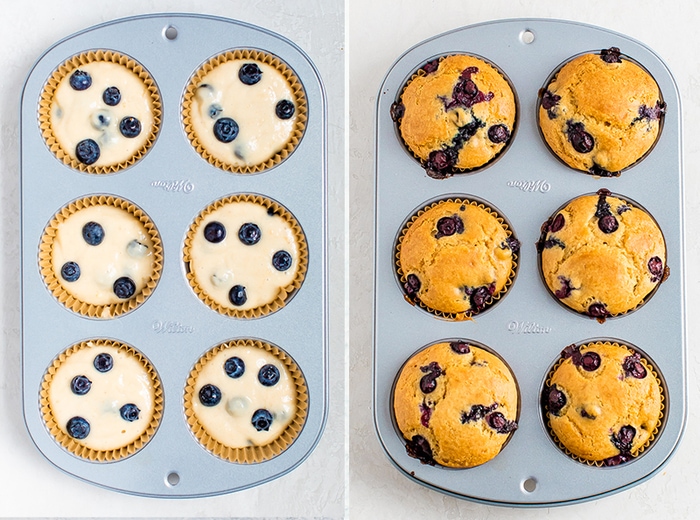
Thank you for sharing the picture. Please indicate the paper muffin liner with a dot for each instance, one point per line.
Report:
(249, 454)
(553, 76)
(285, 293)
(652, 436)
(105, 311)
(454, 316)
(630, 202)
(72, 445)
(397, 117)
(66, 68)
(262, 57)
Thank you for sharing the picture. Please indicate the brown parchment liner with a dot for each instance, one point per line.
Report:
(652, 435)
(294, 83)
(454, 169)
(284, 292)
(68, 156)
(454, 316)
(664, 276)
(73, 445)
(249, 454)
(62, 294)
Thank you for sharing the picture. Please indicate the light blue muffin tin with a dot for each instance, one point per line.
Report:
(172, 184)
(527, 327)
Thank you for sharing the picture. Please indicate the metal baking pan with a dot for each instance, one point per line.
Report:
(527, 327)
(172, 184)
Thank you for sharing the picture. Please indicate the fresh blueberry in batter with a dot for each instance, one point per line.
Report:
(281, 260)
(234, 367)
(262, 420)
(249, 234)
(225, 129)
(80, 80)
(111, 96)
(124, 287)
(284, 109)
(209, 395)
(87, 151)
(237, 295)
(78, 428)
(130, 127)
(215, 110)
(80, 385)
(269, 375)
(93, 233)
(214, 232)
(70, 271)
(250, 74)
(129, 412)
(103, 362)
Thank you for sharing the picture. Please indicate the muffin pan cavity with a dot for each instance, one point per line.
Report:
(163, 189)
(528, 327)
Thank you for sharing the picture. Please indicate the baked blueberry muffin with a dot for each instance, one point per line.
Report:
(100, 112)
(456, 258)
(601, 255)
(455, 114)
(456, 404)
(101, 400)
(245, 256)
(246, 401)
(603, 403)
(601, 113)
(101, 256)
(244, 111)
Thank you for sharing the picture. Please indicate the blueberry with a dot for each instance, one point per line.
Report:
(617, 459)
(498, 134)
(611, 55)
(431, 66)
(209, 395)
(397, 111)
(656, 268)
(549, 100)
(80, 80)
(93, 233)
(598, 310)
(553, 242)
(250, 74)
(608, 224)
(234, 367)
(130, 127)
(447, 226)
(590, 361)
(565, 289)
(581, 140)
(269, 375)
(481, 297)
(284, 109)
(80, 385)
(215, 110)
(419, 448)
(70, 271)
(225, 129)
(87, 151)
(111, 96)
(511, 243)
(412, 285)
(237, 295)
(262, 420)
(476, 413)
(623, 439)
(214, 232)
(553, 399)
(249, 234)
(633, 367)
(100, 119)
(425, 413)
(557, 223)
(428, 382)
(460, 347)
(440, 162)
(103, 362)
(78, 428)
(652, 114)
(124, 287)
(129, 412)
(282, 260)
(498, 422)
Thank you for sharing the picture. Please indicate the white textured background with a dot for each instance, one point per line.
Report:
(29, 485)
(379, 32)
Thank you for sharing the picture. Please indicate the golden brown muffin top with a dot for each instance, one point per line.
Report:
(456, 257)
(601, 113)
(455, 114)
(456, 404)
(603, 402)
(602, 256)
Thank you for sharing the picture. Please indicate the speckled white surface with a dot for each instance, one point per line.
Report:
(29, 485)
(379, 32)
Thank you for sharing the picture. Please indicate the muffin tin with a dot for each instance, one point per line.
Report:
(527, 328)
(172, 184)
